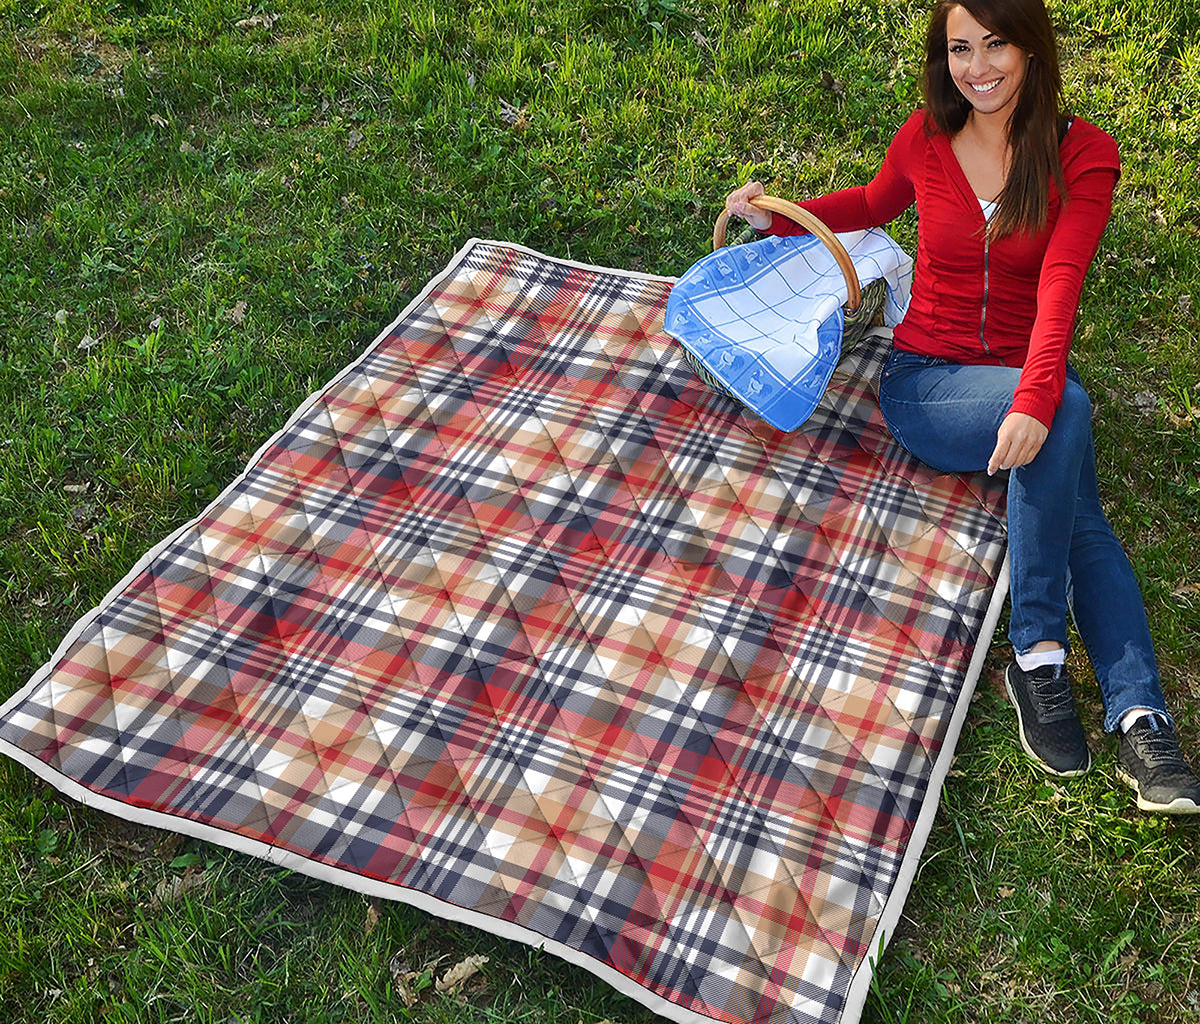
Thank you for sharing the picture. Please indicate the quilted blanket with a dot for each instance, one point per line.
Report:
(519, 623)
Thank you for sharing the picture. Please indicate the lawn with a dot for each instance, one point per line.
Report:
(206, 209)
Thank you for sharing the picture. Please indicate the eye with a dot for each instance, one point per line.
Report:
(995, 44)
(957, 48)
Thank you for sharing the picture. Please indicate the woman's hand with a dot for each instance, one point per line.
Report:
(737, 204)
(1018, 440)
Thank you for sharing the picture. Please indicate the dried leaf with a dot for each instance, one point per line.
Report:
(158, 120)
(404, 978)
(831, 84)
(238, 313)
(514, 116)
(75, 488)
(171, 889)
(257, 21)
(87, 341)
(1005, 891)
(131, 851)
(354, 139)
(60, 317)
(372, 917)
(1146, 401)
(186, 147)
(460, 972)
(405, 990)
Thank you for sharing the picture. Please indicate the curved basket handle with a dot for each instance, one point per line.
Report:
(806, 220)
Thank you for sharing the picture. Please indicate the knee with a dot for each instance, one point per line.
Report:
(1073, 420)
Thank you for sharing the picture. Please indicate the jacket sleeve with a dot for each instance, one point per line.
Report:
(880, 201)
(1072, 246)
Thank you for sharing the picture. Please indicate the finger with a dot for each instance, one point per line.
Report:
(999, 453)
(749, 191)
(743, 210)
(737, 204)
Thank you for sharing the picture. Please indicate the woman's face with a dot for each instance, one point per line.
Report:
(987, 69)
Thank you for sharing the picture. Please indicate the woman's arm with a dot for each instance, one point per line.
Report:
(880, 201)
(1072, 247)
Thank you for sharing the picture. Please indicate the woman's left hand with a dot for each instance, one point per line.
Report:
(1018, 441)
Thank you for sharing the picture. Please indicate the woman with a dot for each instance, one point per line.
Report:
(1012, 198)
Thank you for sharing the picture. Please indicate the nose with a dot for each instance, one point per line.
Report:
(979, 62)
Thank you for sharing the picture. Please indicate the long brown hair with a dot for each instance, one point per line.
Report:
(1036, 123)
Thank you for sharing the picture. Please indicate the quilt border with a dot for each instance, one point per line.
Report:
(860, 985)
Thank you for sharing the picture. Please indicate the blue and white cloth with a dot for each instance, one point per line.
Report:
(765, 319)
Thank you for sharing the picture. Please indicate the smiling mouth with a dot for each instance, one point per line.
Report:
(988, 87)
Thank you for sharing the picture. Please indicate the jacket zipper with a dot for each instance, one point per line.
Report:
(983, 308)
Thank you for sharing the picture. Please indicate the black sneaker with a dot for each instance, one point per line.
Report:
(1149, 760)
(1051, 732)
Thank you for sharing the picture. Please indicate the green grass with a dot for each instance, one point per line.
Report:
(230, 214)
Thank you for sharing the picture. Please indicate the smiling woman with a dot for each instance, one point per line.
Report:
(1012, 198)
(997, 90)
(987, 69)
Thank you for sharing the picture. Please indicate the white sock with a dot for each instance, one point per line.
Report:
(1037, 659)
(1130, 717)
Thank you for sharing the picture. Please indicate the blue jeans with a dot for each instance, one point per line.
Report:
(1062, 550)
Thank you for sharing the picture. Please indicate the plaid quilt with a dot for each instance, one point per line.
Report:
(517, 622)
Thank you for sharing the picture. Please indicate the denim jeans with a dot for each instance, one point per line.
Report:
(1062, 551)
